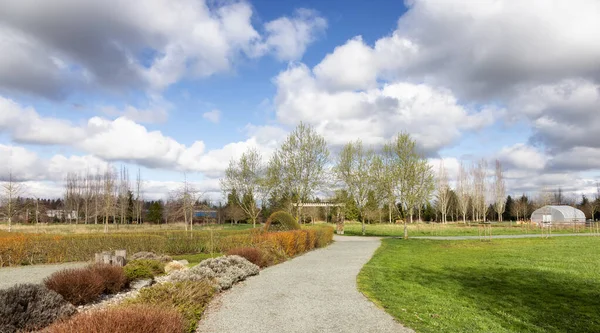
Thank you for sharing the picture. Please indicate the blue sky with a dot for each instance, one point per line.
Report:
(187, 85)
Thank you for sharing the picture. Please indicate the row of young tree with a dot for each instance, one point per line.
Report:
(395, 180)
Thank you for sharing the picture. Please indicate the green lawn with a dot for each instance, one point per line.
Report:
(511, 285)
(195, 259)
(451, 229)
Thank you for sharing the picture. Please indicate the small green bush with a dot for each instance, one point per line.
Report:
(143, 269)
(77, 285)
(131, 319)
(281, 221)
(188, 297)
(27, 307)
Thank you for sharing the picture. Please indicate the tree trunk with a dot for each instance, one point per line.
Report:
(363, 225)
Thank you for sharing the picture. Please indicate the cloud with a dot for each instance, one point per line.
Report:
(522, 156)
(432, 115)
(53, 48)
(27, 126)
(288, 37)
(563, 115)
(125, 140)
(213, 116)
(495, 46)
(25, 165)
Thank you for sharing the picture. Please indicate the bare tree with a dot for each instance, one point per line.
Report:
(442, 192)
(73, 195)
(11, 190)
(480, 190)
(234, 213)
(139, 199)
(299, 166)
(353, 169)
(414, 179)
(499, 191)
(462, 191)
(108, 196)
(246, 178)
(123, 194)
(87, 195)
(187, 195)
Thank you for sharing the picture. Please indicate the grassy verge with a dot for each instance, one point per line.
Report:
(195, 259)
(512, 285)
(436, 229)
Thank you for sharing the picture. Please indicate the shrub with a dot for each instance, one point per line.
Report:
(324, 235)
(131, 319)
(174, 266)
(281, 221)
(224, 271)
(26, 307)
(251, 254)
(77, 285)
(113, 277)
(271, 253)
(150, 255)
(143, 269)
(189, 298)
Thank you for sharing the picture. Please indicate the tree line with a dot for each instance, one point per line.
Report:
(390, 183)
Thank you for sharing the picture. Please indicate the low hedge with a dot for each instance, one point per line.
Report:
(130, 319)
(26, 249)
(189, 298)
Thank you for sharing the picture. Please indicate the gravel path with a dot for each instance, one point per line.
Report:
(497, 237)
(315, 292)
(10, 276)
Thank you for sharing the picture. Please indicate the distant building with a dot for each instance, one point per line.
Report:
(206, 216)
(558, 215)
(61, 214)
(211, 214)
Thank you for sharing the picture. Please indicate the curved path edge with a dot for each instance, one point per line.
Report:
(10, 276)
(315, 292)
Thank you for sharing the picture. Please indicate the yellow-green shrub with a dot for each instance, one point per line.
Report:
(188, 297)
(143, 269)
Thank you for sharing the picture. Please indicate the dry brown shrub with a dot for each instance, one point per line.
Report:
(130, 319)
(77, 285)
(113, 276)
(251, 254)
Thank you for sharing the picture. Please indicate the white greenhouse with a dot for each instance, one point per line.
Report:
(558, 215)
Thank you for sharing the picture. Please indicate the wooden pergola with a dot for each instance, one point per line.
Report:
(339, 216)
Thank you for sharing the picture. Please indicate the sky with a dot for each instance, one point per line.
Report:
(174, 87)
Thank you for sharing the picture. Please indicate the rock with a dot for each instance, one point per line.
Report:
(183, 262)
(141, 283)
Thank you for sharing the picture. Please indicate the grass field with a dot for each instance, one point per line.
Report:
(195, 259)
(511, 285)
(452, 229)
(56, 228)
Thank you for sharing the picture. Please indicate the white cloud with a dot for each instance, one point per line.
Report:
(53, 48)
(496, 45)
(213, 116)
(27, 126)
(432, 115)
(125, 140)
(349, 67)
(288, 37)
(522, 156)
